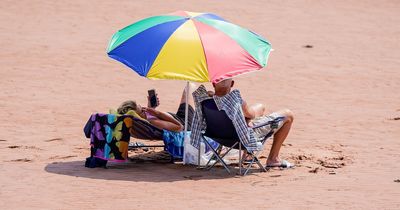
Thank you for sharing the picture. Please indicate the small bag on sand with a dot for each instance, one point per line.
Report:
(190, 153)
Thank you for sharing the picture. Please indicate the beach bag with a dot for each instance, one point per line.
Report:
(88, 127)
(93, 162)
(190, 153)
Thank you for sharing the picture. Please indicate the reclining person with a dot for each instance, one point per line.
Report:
(254, 114)
(163, 120)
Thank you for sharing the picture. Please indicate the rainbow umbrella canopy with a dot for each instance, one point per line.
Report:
(199, 47)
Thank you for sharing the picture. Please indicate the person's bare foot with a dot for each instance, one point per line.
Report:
(246, 157)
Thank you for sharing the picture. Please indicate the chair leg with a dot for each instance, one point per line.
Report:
(254, 159)
(218, 157)
(221, 157)
(240, 159)
(255, 156)
(249, 166)
(229, 150)
(260, 165)
(213, 155)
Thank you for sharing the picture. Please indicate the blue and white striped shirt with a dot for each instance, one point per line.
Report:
(231, 103)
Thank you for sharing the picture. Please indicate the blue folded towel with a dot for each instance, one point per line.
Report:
(174, 142)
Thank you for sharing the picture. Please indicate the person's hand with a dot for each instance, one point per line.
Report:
(151, 111)
(210, 93)
(158, 101)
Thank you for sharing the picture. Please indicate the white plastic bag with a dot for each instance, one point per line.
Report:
(190, 153)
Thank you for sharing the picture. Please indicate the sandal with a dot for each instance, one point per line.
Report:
(284, 164)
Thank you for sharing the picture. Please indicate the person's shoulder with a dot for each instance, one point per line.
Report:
(232, 97)
(236, 93)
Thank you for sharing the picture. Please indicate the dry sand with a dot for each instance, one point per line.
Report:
(344, 91)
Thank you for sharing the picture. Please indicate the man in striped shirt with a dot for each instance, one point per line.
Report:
(244, 117)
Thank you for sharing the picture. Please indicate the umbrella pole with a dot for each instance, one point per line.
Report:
(187, 112)
(186, 107)
(186, 118)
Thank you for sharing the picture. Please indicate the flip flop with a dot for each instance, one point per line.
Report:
(283, 165)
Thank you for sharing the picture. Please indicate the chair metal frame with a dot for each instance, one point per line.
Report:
(235, 143)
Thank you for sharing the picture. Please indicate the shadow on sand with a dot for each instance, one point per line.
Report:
(139, 172)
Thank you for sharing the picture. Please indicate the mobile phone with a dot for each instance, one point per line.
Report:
(152, 98)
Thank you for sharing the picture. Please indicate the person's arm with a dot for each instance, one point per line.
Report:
(253, 111)
(164, 121)
(248, 112)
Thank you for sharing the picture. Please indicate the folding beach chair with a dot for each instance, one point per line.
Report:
(144, 130)
(220, 128)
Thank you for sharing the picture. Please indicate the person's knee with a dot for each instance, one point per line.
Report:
(258, 108)
(262, 108)
(288, 114)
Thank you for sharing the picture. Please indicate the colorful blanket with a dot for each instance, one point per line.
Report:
(110, 136)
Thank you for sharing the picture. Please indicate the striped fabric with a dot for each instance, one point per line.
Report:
(232, 105)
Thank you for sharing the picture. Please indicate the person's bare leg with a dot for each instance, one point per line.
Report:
(258, 108)
(279, 138)
(192, 88)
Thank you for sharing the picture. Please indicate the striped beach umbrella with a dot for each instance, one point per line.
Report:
(199, 47)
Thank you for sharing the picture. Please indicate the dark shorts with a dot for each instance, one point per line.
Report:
(180, 115)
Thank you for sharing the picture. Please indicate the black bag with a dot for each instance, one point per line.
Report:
(93, 162)
(88, 127)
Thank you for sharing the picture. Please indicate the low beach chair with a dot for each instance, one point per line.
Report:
(142, 129)
(221, 129)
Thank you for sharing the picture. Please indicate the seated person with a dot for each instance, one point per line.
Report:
(163, 120)
(254, 114)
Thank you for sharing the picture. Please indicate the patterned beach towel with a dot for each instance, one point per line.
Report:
(109, 137)
(110, 134)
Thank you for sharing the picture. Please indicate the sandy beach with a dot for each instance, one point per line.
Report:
(335, 64)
